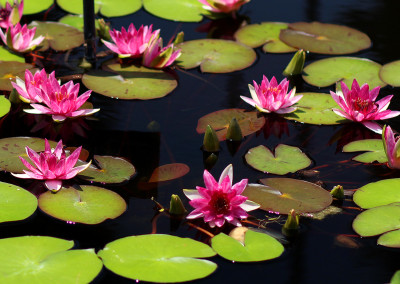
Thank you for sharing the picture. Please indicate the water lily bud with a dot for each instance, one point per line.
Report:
(234, 132)
(209, 160)
(103, 29)
(153, 126)
(295, 66)
(338, 192)
(179, 38)
(210, 142)
(176, 206)
(291, 227)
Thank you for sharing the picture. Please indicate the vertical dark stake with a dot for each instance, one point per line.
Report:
(89, 30)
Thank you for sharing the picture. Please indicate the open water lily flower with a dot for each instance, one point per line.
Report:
(11, 15)
(270, 96)
(392, 147)
(20, 39)
(157, 56)
(223, 6)
(29, 90)
(358, 104)
(52, 165)
(131, 43)
(220, 201)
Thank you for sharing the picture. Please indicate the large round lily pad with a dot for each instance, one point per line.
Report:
(169, 172)
(6, 55)
(34, 6)
(5, 106)
(390, 239)
(328, 71)
(373, 147)
(280, 195)
(158, 258)
(37, 260)
(325, 38)
(175, 10)
(90, 205)
(266, 34)
(390, 73)
(215, 55)
(16, 203)
(108, 8)
(11, 69)
(219, 121)
(257, 247)
(287, 159)
(378, 193)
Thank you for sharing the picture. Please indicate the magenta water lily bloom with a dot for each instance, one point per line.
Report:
(270, 96)
(223, 6)
(131, 43)
(20, 39)
(11, 15)
(157, 56)
(220, 201)
(29, 90)
(358, 104)
(52, 165)
(392, 147)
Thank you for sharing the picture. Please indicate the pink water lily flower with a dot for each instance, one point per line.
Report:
(10, 15)
(223, 6)
(157, 56)
(52, 165)
(358, 104)
(392, 147)
(270, 96)
(131, 43)
(220, 201)
(20, 39)
(29, 90)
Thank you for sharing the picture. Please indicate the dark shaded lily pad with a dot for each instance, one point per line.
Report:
(373, 147)
(6, 55)
(390, 239)
(215, 55)
(169, 172)
(219, 121)
(91, 205)
(158, 258)
(11, 69)
(390, 73)
(324, 38)
(287, 159)
(328, 71)
(266, 34)
(5, 106)
(280, 195)
(176, 10)
(108, 8)
(378, 193)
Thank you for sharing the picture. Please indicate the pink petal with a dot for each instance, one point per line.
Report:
(53, 185)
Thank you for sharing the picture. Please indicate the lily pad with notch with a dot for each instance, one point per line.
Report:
(11, 69)
(108, 8)
(373, 147)
(390, 73)
(378, 193)
(176, 10)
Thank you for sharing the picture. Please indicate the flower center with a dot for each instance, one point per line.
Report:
(363, 105)
(219, 202)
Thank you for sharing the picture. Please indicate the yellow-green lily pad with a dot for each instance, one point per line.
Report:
(390, 73)
(395, 278)
(390, 239)
(5, 106)
(9, 70)
(378, 193)
(373, 147)
(175, 10)
(6, 55)
(108, 8)
(33, 6)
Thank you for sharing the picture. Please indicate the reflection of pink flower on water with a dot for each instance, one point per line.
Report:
(392, 147)
(223, 6)
(11, 15)
(21, 38)
(157, 56)
(29, 89)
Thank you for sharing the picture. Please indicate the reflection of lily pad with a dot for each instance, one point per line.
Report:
(215, 55)
(287, 159)
(11, 69)
(390, 73)
(325, 38)
(325, 72)
(169, 172)
(390, 239)
(158, 258)
(266, 34)
(89, 205)
(5, 106)
(15, 203)
(378, 193)
(37, 260)
(175, 10)
(35, 6)
(283, 194)
(315, 108)
(373, 147)
(219, 120)
(6, 55)
(257, 247)
(108, 8)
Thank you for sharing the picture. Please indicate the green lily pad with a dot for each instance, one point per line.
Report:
(396, 278)
(11, 69)
(16, 203)
(325, 38)
(5, 106)
(108, 8)
(378, 193)
(111, 170)
(328, 71)
(266, 34)
(169, 172)
(75, 21)
(175, 10)
(158, 258)
(13, 147)
(219, 121)
(287, 159)
(33, 6)
(374, 148)
(90, 205)
(6, 55)
(55, 35)
(131, 82)
(215, 55)
(280, 195)
(37, 260)
(257, 247)
(315, 108)
(390, 73)
(390, 239)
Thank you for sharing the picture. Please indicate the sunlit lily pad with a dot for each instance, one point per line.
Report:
(257, 247)
(37, 260)
(373, 147)
(90, 205)
(34, 6)
(283, 194)
(325, 38)
(111, 170)
(158, 258)
(287, 159)
(16, 203)
(378, 193)
(315, 108)
(56, 34)
(390, 73)
(175, 10)
(266, 34)
(395, 278)
(390, 239)
(328, 71)
(215, 55)
(108, 8)
(219, 121)
(6, 55)
(11, 69)
(5, 106)
(75, 21)
(169, 172)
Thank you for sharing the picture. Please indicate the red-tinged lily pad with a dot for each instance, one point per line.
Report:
(5, 106)
(34, 6)
(378, 193)
(390, 239)
(169, 172)
(176, 10)
(110, 170)
(215, 55)
(219, 121)
(6, 55)
(390, 73)
(11, 69)
(287, 159)
(373, 147)
(108, 8)
(266, 34)
(88, 205)
(324, 38)
(328, 71)
(280, 195)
